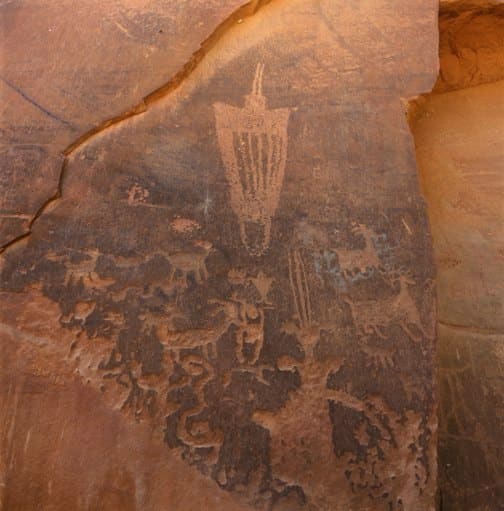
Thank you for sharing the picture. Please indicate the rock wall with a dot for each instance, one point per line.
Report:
(470, 45)
(458, 134)
(221, 296)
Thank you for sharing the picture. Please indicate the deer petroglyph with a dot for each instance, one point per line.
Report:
(360, 260)
(372, 316)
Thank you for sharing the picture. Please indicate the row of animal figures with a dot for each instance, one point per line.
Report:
(369, 316)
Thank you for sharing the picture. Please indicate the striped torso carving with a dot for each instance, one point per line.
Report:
(253, 146)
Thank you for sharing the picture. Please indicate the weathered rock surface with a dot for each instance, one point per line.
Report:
(61, 78)
(460, 153)
(64, 448)
(243, 269)
(470, 45)
(459, 147)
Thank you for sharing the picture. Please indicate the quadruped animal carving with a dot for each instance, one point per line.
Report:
(253, 146)
(360, 260)
(190, 262)
(370, 316)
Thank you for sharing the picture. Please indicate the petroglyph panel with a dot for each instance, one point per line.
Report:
(245, 268)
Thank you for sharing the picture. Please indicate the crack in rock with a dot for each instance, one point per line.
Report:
(237, 17)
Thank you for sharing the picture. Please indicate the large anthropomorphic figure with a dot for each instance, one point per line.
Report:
(246, 267)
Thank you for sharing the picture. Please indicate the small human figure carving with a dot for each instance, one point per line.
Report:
(250, 335)
(249, 319)
(137, 195)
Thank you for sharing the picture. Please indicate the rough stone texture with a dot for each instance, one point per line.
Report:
(61, 78)
(461, 156)
(229, 302)
(470, 45)
(63, 448)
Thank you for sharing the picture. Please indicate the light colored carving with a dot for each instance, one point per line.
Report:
(299, 288)
(190, 430)
(399, 437)
(192, 262)
(362, 260)
(263, 284)
(137, 195)
(378, 357)
(371, 316)
(253, 146)
(184, 225)
(249, 319)
(250, 333)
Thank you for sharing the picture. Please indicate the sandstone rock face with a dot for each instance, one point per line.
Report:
(470, 46)
(464, 185)
(458, 135)
(60, 79)
(229, 302)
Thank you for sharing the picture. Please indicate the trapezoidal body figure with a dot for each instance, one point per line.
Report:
(253, 146)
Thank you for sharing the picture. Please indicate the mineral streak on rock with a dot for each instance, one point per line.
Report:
(250, 282)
